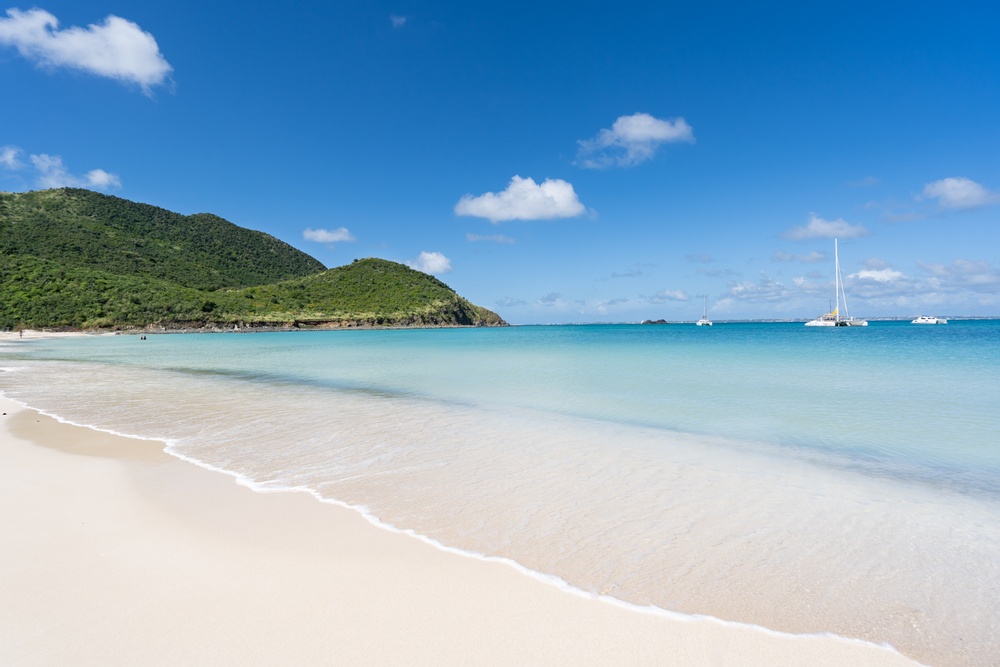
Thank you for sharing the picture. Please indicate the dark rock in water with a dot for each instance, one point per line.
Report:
(654, 322)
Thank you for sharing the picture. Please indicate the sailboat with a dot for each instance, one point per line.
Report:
(704, 321)
(834, 318)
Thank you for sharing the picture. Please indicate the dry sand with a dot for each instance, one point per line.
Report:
(115, 553)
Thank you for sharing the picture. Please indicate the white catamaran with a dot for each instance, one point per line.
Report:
(833, 318)
(704, 321)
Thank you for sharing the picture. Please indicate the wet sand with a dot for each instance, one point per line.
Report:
(115, 553)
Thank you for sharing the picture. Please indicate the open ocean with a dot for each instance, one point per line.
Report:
(801, 479)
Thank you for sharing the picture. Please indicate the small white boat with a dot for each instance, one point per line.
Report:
(927, 319)
(834, 318)
(704, 321)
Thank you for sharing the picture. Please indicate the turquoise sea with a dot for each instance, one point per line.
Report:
(800, 479)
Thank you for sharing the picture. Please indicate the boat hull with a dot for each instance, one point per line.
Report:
(837, 323)
(833, 318)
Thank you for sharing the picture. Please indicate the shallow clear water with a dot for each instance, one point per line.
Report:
(802, 479)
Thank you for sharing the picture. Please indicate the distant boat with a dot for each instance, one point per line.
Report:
(833, 318)
(704, 321)
(927, 319)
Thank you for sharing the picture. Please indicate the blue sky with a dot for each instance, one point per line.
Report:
(552, 161)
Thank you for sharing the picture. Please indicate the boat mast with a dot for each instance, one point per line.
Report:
(836, 280)
(843, 292)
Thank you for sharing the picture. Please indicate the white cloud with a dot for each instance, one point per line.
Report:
(524, 200)
(960, 193)
(493, 238)
(878, 275)
(117, 48)
(765, 289)
(668, 295)
(810, 258)
(631, 140)
(102, 180)
(433, 263)
(9, 157)
(818, 228)
(339, 235)
(963, 274)
(52, 173)
(397, 21)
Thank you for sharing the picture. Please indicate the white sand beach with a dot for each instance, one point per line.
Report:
(115, 553)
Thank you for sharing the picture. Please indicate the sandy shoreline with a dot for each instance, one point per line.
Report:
(118, 553)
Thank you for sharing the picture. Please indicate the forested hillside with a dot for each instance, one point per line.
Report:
(80, 228)
(75, 259)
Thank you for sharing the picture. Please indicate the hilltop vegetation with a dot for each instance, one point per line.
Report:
(80, 228)
(367, 292)
(76, 259)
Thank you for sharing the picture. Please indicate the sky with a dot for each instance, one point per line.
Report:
(554, 162)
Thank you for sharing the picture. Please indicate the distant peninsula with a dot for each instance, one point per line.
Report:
(72, 259)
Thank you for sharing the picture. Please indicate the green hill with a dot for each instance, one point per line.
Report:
(368, 292)
(75, 259)
(80, 228)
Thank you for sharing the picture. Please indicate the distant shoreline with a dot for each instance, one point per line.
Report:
(330, 326)
(57, 331)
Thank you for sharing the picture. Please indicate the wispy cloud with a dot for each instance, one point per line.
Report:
(631, 140)
(910, 216)
(52, 173)
(397, 20)
(117, 48)
(511, 302)
(818, 228)
(715, 273)
(808, 258)
(964, 274)
(765, 289)
(702, 258)
(433, 263)
(524, 200)
(666, 295)
(637, 270)
(958, 193)
(603, 307)
(10, 157)
(49, 171)
(866, 182)
(549, 300)
(491, 238)
(329, 236)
